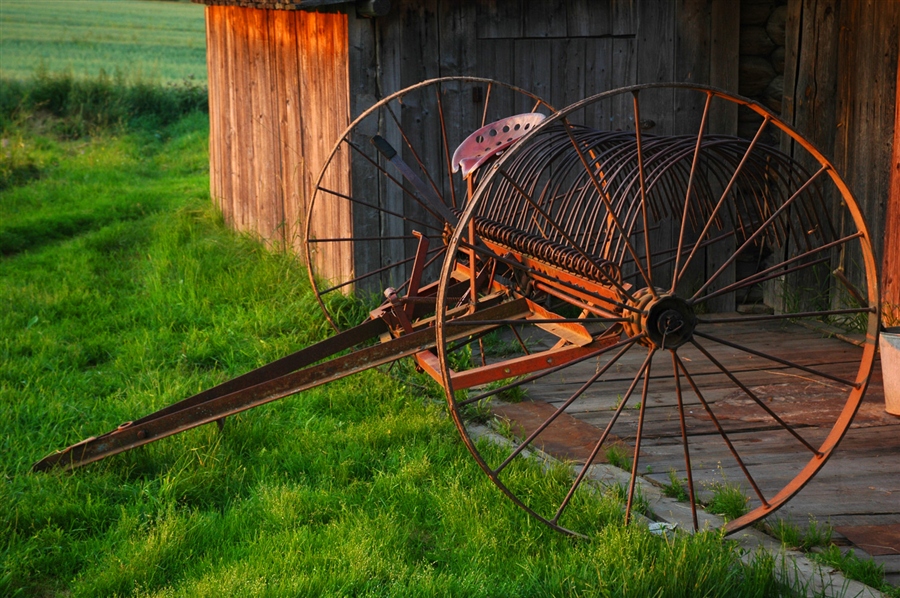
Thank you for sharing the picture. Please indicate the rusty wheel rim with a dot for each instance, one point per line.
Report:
(362, 208)
(615, 198)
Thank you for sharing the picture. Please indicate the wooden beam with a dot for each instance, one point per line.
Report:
(890, 269)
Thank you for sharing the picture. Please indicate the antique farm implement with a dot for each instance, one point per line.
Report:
(607, 263)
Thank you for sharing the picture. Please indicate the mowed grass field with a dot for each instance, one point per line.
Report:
(139, 39)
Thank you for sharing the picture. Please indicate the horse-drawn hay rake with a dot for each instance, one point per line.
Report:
(570, 258)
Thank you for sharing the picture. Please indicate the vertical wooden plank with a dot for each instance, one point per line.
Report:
(275, 74)
(363, 85)
(262, 127)
(390, 37)
(624, 17)
(339, 95)
(773, 290)
(533, 65)
(500, 19)
(214, 57)
(461, 106)
(496, 57)
(222, 27)
(692, 61)
(598, 72)
(568, 78)
(419, 115)
(457, 23)
(544, 19)
(588, 18)
(656, 62)
(791, 67)
(890, 264)
(307, 47)
(851, 145)
(816, 92)
(290, 149)
(625, 72)
(864, 151)
(324, 84)
(655, 53)
(240, 146)
(224, 116)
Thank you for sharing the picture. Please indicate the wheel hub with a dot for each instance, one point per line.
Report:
(667, 321)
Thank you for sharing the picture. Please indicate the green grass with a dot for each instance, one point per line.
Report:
(677, 487)
(792, 537)
(866, 571)
(124, 292)
(728, 500)
(158, 41)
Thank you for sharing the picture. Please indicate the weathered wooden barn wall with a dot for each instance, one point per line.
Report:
(284, 83)
(840, 91)
(279, 93)
(563, 51)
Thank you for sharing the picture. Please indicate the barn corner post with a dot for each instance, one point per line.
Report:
(890, 264)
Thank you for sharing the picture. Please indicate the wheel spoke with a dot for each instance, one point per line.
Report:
(721, 431)
(756, 399)
(380, 209)
(603, 436)
(774, 271)
(806, 314)
(611, 213)
(446, 147)
(643, 187)
(415, 154)
(684, 441)
(749, 240)
(374, 272)
(637, 438)
(786, 362)
(422, 201)
(559, 230)
(559, 411)
(687, 194)
(720, 203)
(494, 391)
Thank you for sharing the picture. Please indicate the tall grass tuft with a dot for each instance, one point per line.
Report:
(80, 106)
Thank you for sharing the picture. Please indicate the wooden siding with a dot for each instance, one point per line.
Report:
(563, 51)
(283, 84)
(270, 75)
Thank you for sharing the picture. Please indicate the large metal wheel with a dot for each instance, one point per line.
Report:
(684, 271)
(372, 200)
